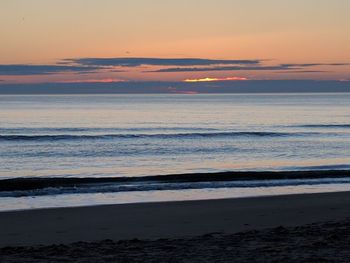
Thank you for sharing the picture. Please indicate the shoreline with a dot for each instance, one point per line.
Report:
(37, 183)
(176, 219)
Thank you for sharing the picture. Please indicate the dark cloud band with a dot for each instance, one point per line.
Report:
(26, 69)
(284, 67)
(220, 68)
(135, 62)
(95, 65)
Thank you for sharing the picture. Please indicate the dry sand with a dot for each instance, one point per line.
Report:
(326, 242)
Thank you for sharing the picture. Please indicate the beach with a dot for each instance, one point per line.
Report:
(172, 221)
(173, 131)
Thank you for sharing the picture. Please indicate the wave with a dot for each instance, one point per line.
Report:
(49, 137)
(324, 126)
(45, 186)
(114, 188)
(35, 130)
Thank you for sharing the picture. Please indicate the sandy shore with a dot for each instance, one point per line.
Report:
(321, 242)
(169, 219)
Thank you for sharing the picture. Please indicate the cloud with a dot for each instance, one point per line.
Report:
(80, 66)
(106, 80)
(284, 67)
(221, 68)
(315, 64)
(136, 62)
(27, 69)
(302, 71)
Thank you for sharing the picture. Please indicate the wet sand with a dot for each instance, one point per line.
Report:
(168, 219)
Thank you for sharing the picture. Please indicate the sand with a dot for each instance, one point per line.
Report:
(168, 219)
(322, 242)
(293, 228)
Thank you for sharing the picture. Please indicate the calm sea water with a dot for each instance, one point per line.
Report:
(136, 135)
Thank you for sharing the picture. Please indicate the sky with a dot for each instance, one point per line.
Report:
(89, 41)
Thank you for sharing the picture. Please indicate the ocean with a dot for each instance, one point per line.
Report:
(72, 150)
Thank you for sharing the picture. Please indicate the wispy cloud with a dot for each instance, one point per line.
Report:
(315, 64)
(108, 80)
(301, 71)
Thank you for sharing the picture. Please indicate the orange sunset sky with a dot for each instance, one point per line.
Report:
(163, 40)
